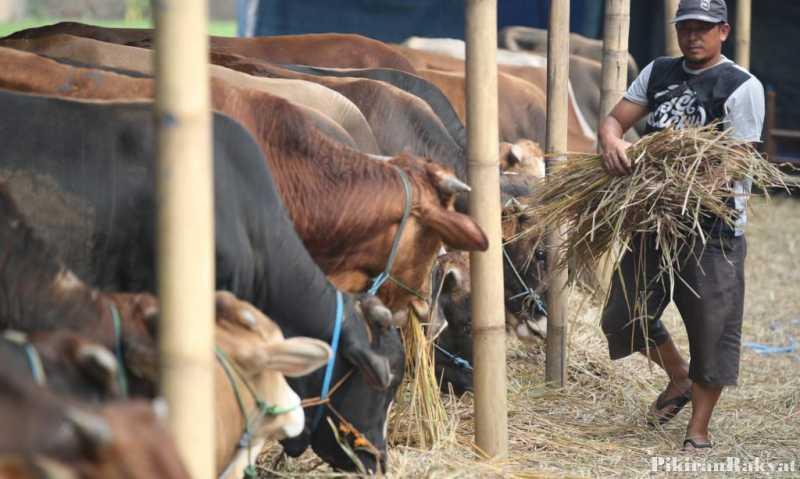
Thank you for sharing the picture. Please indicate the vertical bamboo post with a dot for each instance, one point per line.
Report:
(744, 15)
(671, 47)
(185, 228)
(614, 80)
(556, 143)
(488, 309)
(615, 54)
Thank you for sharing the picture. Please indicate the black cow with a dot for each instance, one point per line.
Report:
(83, 172)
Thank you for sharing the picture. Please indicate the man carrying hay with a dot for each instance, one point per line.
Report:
(691, 91)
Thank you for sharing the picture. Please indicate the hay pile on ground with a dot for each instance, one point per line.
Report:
(595, 427)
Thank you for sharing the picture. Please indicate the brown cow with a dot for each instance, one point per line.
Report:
(326, 103)
(42, 436)
(434, 65)
(584, 74)
(404, 121)
(400, 120)
(322, 49)
(64, 361)
(349, 233)
(522, 108)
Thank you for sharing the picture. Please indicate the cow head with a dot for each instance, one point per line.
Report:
(71, 365)
(54, 439)
(524, 157)
(525, 316)
(263, 356)
(451, 278)
(433, 222)
(362, 401)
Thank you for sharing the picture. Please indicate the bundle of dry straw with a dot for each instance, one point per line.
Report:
(680, 178)
(419, 418)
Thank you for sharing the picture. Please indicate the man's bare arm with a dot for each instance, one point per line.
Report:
(622, 117)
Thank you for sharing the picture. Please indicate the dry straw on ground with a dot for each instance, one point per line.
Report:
(595, 427)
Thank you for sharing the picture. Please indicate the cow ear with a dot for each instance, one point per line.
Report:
(452, 280)
(457, 230)
(511, 155)
(295, 356)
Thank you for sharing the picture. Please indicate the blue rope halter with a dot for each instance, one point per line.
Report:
(326, 381)
(386, 274)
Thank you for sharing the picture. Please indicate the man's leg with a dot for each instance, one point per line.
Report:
(704, 399)
(629, 328)
(669, 358)
(713, 324)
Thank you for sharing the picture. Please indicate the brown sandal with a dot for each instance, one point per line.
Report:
(657, 417)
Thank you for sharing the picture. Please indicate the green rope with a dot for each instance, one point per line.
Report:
(407, 288)
(31, 355)
(35, 363)
(226, 366)
(262, 408)
(121, 378)
(250, 471)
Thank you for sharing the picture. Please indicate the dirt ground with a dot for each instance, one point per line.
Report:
(595, 426)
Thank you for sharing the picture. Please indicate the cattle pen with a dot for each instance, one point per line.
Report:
(543, 398)
(595, 425)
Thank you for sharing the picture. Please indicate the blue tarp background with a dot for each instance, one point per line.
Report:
(396, 20)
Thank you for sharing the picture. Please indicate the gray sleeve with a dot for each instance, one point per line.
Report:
(744, 111)
(637, 92)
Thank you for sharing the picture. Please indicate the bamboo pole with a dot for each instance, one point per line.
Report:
(556, 143)
(744, 15)
(614, 80)
(671, 47)
(615, 54)
(488, 309)
(185, 228)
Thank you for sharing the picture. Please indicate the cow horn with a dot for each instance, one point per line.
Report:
(91, 428)
(453, 185)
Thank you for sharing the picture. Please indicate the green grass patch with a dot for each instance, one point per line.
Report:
(217, 28)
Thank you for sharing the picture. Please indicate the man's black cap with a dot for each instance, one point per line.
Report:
(713, 11)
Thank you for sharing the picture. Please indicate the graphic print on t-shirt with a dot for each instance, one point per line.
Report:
(683, 110)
